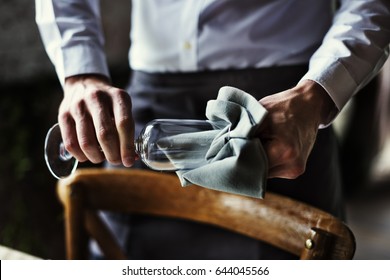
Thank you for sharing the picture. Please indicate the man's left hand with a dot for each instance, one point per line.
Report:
(289, 130)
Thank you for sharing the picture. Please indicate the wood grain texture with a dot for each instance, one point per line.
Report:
(277, 220)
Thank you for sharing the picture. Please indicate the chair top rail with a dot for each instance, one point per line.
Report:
(278, 220)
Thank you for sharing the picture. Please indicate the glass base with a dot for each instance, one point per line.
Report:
(60, 163)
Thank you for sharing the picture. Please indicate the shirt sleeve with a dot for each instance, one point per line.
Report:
(72, 34)
(353, 50)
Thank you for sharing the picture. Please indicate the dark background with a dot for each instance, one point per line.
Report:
(30, 93)
(30, 216)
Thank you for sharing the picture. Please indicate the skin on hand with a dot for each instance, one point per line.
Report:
(289, 130)
(96, 122)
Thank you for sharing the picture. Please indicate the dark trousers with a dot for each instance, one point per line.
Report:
(184, 96)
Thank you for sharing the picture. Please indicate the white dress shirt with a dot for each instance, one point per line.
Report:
(344, 50)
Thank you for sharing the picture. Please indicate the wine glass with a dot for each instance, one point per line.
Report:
(163, 144)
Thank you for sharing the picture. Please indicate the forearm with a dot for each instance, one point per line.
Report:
(73, 38)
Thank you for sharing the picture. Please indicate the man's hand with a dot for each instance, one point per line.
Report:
(96, 122)
(289, 130)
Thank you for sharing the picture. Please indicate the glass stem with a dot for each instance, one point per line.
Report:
(64, 155)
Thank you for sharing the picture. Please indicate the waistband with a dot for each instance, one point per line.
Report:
(224, 76)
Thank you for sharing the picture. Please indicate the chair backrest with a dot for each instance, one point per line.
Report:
(298, 228)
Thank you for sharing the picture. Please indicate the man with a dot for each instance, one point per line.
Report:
(299, 59)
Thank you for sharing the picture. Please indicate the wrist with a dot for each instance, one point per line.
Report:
(319, 99)
(87, 79)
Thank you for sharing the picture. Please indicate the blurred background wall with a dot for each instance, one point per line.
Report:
(31, 217)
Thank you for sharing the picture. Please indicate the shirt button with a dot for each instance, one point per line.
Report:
(187, 45)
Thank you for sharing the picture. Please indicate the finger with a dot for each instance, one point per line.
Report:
(86, 134)
(69, 137)
(283, 150)
(125, 127)
(105, 130)
(87, 141)
(287, 171)
(275, 151)
(284, 160)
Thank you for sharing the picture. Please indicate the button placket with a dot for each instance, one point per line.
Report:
(189, 31)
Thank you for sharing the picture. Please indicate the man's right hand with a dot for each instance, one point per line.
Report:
(96, 121)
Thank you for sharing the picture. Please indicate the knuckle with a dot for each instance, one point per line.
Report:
(121, 97)
(96, 97)
(282, 151)
(120, 93)
(297, 170)
(289, 153)
(123, 122)
(94, 94)
(85, 144)
(64, 117)
(114, 160)
(70, 145)
(105, 134)
(96, 160)
(80, 109)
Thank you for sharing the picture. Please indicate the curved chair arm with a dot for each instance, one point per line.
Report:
(283, 222)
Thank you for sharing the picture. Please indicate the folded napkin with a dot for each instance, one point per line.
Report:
(234, 159)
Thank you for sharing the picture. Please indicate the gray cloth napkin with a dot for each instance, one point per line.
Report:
(235, 161)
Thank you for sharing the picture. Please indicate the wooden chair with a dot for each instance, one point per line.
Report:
(290, 225)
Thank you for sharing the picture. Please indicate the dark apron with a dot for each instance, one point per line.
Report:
(184, 96)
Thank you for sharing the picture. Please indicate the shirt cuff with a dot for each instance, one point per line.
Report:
(335, 79)
(83, 59)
